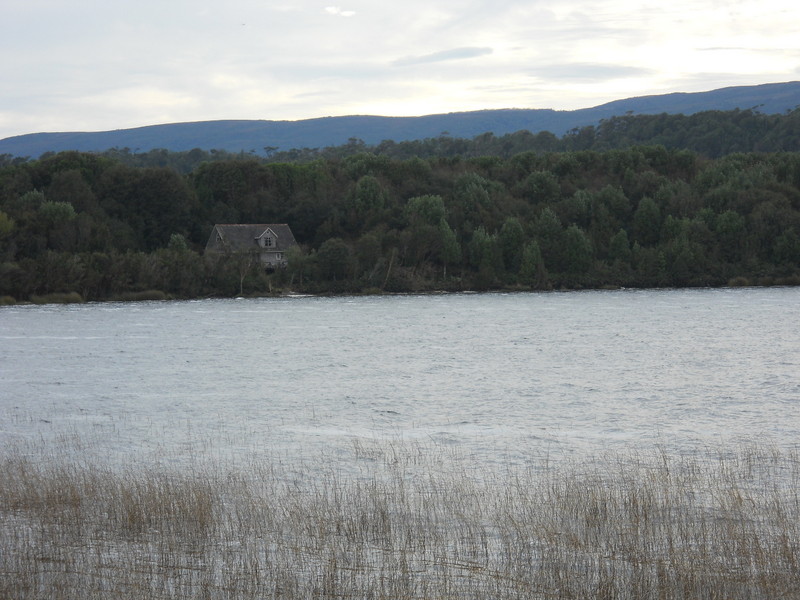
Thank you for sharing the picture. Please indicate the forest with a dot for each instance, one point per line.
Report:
(710, 199)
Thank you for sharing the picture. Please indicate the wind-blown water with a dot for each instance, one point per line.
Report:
(498, 377)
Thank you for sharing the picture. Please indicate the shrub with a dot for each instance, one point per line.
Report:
(140, 296)
(58, 298)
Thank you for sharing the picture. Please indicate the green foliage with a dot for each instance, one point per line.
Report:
(6, 225)
(540, 187)
(511, 240)
(425, 210)
(177, 242)
(647, 223)
(299, 264)
(450, 249)
(55, 213)
(636, 216)
(334, 259)
(549, 234)
(619, 248)
(369, 255)
(369, 196)
(532, 271)
(786, 250)
(578, 250)
(58, 298)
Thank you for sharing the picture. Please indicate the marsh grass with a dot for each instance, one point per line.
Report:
(408, 523)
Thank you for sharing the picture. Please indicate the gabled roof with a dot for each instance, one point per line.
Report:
(243, 237)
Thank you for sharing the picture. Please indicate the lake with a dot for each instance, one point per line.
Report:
(498, 379)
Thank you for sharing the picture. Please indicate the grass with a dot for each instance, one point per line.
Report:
(406, 523)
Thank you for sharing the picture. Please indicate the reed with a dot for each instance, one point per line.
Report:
(407, 523)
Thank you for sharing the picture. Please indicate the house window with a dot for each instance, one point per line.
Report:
(279, 255)
(267, 242)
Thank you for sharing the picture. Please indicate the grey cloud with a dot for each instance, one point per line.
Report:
(444, 55)
(586, 72)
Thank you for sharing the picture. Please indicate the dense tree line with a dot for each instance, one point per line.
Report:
(710, 133)
(640, 216)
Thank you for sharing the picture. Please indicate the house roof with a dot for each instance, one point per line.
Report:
(242, 237)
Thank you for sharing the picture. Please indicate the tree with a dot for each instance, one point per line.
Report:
(55, 219)
(550, 236)
(298, 264)
(485, 256)
(450, 251)
(70, 186)
(427, 228)
(511, 240)
(369, 254)
(164, 203)
(679, 259)
(177, 242)
(181, 269)
(730, 231)
(334, 259)
(786, 249)
(470, 200)
(230, 271)
(55, 213)
(540, 187)
(532, 271)
(425, 210)
(575, 209)
(619, 207)
(619, 248)
(369, 196)
(578, 250)
(24, 207)
(6, 225)
(647, 222)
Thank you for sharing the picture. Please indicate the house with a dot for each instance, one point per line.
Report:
(270, 242)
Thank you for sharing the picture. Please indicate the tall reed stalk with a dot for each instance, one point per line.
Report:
(407, 524)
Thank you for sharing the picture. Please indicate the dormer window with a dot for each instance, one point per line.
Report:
(267, 239)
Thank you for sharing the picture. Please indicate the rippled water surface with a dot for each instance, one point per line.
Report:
(494, 376)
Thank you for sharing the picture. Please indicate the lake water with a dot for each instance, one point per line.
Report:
(496, 378)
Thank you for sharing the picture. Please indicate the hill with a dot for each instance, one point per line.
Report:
(255, 135)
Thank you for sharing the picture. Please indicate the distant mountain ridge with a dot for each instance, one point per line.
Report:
(255, 135)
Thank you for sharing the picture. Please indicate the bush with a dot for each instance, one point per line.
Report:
(140, 296)
(739, 282)
(58, 298)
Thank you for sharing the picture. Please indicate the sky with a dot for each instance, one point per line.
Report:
(96, 65)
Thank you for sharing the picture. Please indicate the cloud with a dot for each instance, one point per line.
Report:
(337, 11)
(444, 55)
(723, 49)
(587, 72)
(186, 60)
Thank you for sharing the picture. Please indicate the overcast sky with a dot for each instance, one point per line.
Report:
(93, 65)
